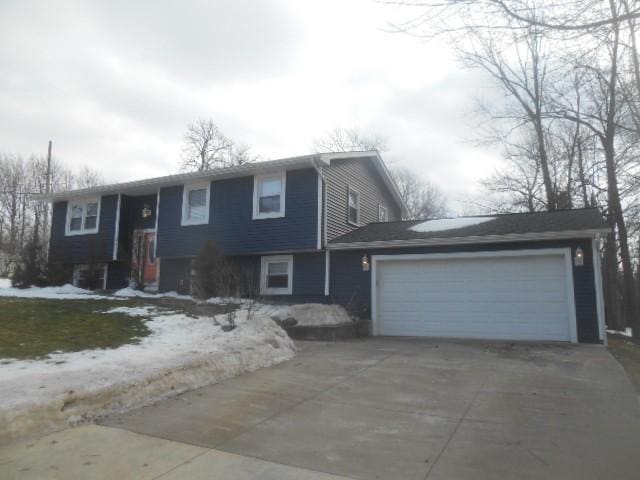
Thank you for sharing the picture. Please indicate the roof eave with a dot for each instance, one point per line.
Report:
(181, 178)
(478, 239)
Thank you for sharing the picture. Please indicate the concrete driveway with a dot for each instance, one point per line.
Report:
(379, 408)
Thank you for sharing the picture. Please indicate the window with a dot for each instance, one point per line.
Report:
(91, 277)
(276, 275)
(195, 204)
(353, 207)
(269, 195)
(383, 213)
(82, 216)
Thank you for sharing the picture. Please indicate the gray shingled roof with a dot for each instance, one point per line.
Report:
(588, 220)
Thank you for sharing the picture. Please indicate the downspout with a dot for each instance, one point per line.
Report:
(597, 277)
(323, 225)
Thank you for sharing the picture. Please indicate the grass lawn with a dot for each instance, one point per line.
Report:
(628, 354)
(33, 328)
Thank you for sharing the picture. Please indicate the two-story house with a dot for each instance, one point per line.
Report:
(328, 228)
(277, 216)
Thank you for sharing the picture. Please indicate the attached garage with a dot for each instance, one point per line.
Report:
(531, 277)
(521, 295)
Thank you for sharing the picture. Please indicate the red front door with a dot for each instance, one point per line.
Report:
(144, 263)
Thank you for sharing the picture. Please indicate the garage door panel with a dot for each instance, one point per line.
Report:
(498, 297)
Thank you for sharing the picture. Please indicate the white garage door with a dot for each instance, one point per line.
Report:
(509, 297)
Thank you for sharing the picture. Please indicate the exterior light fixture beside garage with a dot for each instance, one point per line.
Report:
(365, 263)
(578, 259)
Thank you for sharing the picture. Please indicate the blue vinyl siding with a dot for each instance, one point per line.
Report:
(96, 247)
(308, 275)
(230, 219)
(349, 285)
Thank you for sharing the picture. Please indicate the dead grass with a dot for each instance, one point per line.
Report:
(33, 328)
(628, 354)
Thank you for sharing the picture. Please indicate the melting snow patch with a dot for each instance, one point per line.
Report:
(180, 354)
(65, 292)
(145, 311)
(5, 283)
(627, 332)
(308, 314)
(449, 224)
(133, 293)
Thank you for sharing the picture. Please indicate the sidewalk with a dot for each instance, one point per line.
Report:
(94, 452)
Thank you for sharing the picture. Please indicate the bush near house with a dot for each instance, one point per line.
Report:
(212, 274)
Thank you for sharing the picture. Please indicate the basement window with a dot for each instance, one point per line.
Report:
(276, 275)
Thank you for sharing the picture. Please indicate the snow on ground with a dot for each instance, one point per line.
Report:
(145, 311)
(180, 354)
(308, 314)
(133, 293)
(627, 332)
(5, 283)
(449, 224)
(65, 292)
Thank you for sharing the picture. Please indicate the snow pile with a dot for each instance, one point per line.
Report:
(627, 332)
(65, 292)
(449, 224)
(5, 283)
(145, 311)
(133, 293)
(228, 300)
(180, 354)
(308, 314)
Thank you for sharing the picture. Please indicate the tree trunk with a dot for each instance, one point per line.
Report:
(612, 311)
(583, 181)
(615, 207)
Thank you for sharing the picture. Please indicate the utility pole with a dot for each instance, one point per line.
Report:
(47, 190)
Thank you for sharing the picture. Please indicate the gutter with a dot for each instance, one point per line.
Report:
(477, 239)
(152, 184)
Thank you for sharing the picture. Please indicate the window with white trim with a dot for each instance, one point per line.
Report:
(269, 195)
(276, 275)
(383, 213)
(82, 216)
(195, 204)
(353, 206)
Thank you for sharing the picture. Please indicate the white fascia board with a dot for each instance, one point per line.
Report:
(513, 237)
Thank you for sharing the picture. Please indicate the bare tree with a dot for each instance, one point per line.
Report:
(423, 199)
(206, 147)
(88, 178)
(349, 140)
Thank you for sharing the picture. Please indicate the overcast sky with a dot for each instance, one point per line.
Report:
(114, 84)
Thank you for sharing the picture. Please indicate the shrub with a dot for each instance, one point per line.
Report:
(57, 274)
(212, 274)
(30, 268)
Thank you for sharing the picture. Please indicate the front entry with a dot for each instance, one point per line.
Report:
(144, 264)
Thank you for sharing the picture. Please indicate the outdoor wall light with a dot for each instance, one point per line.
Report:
(365, 263)
(146, 211)
(578, 259)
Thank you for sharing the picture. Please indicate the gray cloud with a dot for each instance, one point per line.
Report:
(114, 84)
